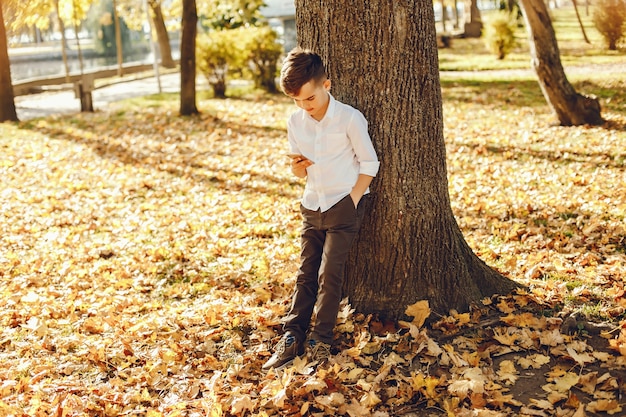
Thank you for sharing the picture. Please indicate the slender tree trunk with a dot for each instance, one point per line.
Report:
(188, 59)
(118, 40)
(81, 63)
(162, 36)
(570, 107)
(383, 60)
(475, 12)
(63, 41)
(580, 22)
(474, 27)
(7, 101)
(510, 5)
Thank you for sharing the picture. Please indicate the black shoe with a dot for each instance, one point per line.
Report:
(285, 352)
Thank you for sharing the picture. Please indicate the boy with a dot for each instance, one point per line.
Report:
(331, 147)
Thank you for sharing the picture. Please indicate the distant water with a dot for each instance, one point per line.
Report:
(51, 64)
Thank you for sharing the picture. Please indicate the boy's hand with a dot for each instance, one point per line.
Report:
(356, 197)
(299, 166)
(362, 183)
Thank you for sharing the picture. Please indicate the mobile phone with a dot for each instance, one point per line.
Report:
(296, 156)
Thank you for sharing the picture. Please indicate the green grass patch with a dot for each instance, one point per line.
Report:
(473, 55)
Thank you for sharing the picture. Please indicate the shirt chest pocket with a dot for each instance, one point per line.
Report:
(335, 144)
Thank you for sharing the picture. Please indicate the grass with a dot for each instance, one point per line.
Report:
(523, 92)
(473, 55)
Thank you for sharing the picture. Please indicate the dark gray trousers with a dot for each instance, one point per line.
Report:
(326, 241)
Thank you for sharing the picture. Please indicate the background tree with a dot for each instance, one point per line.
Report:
(473, 28)
(609, 17)
(236, 41)
(570, 107)
(188, 59)
(49, 15)
(113, 33)
(163, 38)
(580, 22)
(219, 53)
(383, 60)
(444, 15)
(263, 50)
(247, 52)
(499, 33)
(44, 14)
(229, 14)
(36, 13)
(63, 40)
(7, 101)
(133, 12)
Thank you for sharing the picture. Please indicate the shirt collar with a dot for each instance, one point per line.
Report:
(330, 111)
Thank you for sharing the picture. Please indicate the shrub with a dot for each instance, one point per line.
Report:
(263, 49)
(250, 53)
(219, 54)
(499, 33)
(609, 17)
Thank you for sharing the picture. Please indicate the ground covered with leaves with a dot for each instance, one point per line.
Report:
(147, 260)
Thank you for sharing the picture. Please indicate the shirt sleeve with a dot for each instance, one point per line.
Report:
(362, 144)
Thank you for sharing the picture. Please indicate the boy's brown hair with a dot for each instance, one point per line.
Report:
(299, 67)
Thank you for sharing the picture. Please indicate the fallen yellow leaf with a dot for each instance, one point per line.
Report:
(419, 311)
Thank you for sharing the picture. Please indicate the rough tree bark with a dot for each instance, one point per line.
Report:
(7, 101)
(188, 59)
(382, 59)
(571, 108)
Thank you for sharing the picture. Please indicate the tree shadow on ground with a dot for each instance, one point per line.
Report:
(526, 93)
(180, 156)
(510, 93)
(598, 159)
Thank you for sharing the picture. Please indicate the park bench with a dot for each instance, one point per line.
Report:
(82, 84)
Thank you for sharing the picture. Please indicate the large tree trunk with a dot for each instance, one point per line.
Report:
(571, 108)
(383, 60)
(188, 59)
(7, 102)
(162, 36)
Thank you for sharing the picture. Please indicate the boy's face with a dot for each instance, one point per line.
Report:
(313, 98)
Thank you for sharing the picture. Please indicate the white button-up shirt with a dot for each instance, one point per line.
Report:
(340, 148)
